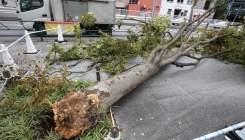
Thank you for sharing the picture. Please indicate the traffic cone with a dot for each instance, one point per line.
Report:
(7, 59)
(30, 46)
(60, 36)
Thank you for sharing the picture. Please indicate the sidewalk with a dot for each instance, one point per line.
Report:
(45, 46)
(176, 103)
(184, 103)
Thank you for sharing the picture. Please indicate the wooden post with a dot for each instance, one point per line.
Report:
(98, 73)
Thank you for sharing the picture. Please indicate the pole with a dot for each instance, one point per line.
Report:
(229, 7)
(236, 14)
(153, 10)
(226, 15)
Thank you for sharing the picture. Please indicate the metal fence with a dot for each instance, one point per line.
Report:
(135, 13)
(16, 28)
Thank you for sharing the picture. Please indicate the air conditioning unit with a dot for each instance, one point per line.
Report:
(143, 6)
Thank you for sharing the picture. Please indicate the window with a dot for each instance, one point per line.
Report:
(169, 0)
(180, 1)
(177, 12)
(207, 4)
(133, 2)
(27, 5)
(189, 2)
(185, 13)
(121, 11)
(169, 11)
(4, 3)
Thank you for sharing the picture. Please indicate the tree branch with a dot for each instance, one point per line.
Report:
(204, 14)
(72, 65)
(155, 58)
(186, 50)
(179, 64)
(168, 34)
(135, 20)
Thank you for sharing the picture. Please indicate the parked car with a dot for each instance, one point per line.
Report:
(177, 20)
(216, 24)
(7, 12)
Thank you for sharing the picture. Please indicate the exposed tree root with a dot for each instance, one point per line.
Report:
(74, 114)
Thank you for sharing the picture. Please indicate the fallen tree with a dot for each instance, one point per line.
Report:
(78, 111)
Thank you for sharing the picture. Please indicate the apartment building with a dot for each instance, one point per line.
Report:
(144, 6)
(138, 7)
(163, 7)
(176, 7)
(122, 6)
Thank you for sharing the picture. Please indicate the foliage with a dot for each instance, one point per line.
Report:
(58, 53)
(52, 135)
(99, 131)
(25, 112)
(233, 42)
(15, 128)
(113, 53)
(220, 12)
(88, 19)
(35, 88)
(77, 33)
(151, 34)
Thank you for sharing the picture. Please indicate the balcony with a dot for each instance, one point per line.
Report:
(133, 2)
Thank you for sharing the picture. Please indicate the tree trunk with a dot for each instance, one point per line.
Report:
(78, 111)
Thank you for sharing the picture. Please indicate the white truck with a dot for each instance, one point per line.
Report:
(43, 11)
(7, 11)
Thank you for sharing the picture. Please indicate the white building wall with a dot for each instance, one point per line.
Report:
(174, 5)
(122, 3)
(200, 4)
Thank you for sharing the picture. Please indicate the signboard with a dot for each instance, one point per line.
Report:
(66, 27)
(229, 5)
(199, 12)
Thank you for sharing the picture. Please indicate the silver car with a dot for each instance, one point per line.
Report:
(216, 24)
(178, 20)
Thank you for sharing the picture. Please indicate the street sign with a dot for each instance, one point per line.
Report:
(229, 5)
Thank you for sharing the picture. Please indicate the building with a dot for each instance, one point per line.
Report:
(122, 6)
(176, 7)
(182, 8)
(203, 4)
(163, 7)
(144, 7)
(236, 11)
(137, 7)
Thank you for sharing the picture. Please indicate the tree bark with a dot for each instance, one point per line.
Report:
(78, 111)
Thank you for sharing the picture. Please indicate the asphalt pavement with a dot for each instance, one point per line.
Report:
(174, 104)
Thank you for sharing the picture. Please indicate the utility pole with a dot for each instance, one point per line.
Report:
(228, 7)
(153, 10)
(237, 13)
